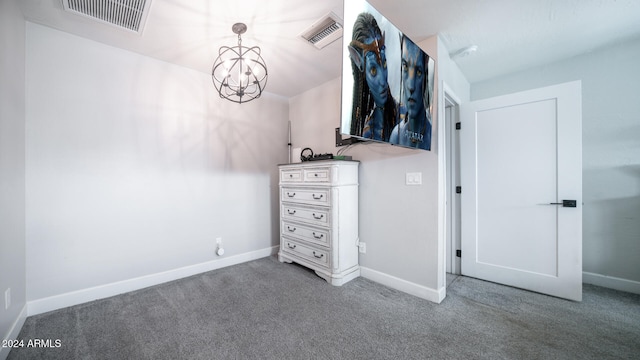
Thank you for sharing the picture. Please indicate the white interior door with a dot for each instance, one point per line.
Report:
(452, 180)
(521, 156)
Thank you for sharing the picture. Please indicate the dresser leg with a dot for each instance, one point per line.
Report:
(283, 259)
(340, 279)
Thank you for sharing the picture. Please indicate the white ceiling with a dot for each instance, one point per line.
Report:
(511, 35)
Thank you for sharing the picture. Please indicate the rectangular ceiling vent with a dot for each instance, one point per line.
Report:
(324, 31)
(125, 14)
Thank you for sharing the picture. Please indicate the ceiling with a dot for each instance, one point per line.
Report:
(511, 35)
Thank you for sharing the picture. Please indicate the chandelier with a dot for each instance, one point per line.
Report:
(239, 73)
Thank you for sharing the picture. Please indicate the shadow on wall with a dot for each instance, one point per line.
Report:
(613, 221)
(249, 142)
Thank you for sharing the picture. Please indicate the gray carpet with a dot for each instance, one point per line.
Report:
(267, 310)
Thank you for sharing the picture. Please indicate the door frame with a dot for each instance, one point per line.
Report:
(452, 155)
(446, 189)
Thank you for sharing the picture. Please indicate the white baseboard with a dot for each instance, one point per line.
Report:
(611, 282)
(104, 291)
(408, 287)
(14, 331)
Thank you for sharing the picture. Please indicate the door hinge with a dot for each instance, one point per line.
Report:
(459, 253)
(458, 189)
(458, 126)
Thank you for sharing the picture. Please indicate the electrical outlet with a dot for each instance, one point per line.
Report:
(7, 298)
(219, 249)
(362, 247)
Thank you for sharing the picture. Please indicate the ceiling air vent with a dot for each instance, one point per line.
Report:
(125, 14)
(324, 31)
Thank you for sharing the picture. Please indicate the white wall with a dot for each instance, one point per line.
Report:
(12, 173)
(135, 166)
(399, 223)
(449, 72)
(611, 154)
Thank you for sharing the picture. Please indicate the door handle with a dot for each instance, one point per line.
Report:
(566, 203)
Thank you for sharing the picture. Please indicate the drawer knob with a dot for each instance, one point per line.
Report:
(291, 194)
(291, 246)
(316, 174)
(316, 197)
(318, 217)
(290, 175)
(291, 212)
(319, 257)
(290, 228)
(316, 236)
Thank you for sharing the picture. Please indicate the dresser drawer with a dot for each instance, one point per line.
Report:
(309, 215)
(319, 257)
(307, 196)
(302, 232)
(320, 175)
(291, 175)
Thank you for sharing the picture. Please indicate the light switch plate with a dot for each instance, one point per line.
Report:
(414, 178)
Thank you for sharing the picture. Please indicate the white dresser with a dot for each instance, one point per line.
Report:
(319, 218)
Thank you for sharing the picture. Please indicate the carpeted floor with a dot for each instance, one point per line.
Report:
(267, 310)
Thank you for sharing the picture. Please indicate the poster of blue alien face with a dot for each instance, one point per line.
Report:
(387, 95)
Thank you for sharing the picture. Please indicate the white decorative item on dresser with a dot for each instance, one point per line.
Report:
(319, 218)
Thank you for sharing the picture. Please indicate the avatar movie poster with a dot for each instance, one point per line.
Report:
(387, 81)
